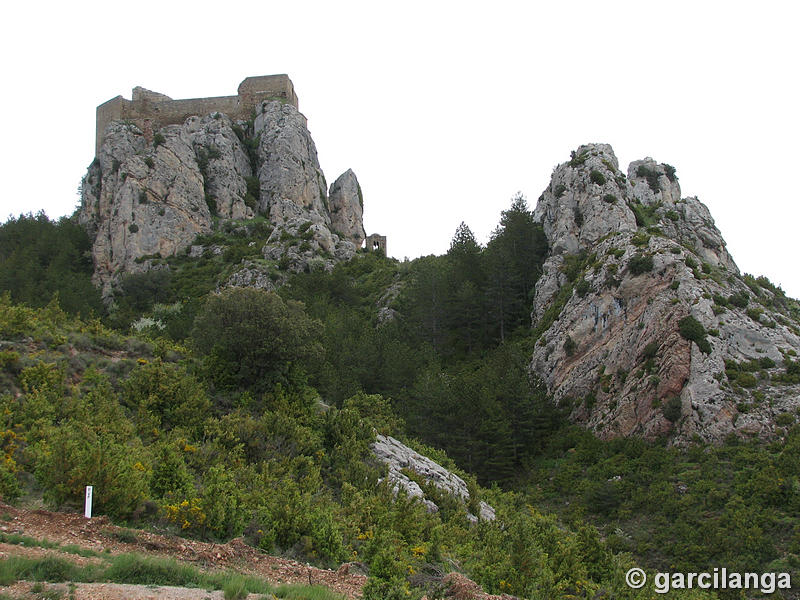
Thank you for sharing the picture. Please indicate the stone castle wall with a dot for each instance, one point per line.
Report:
(151, 110)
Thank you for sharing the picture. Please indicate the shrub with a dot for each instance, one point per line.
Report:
(212, 205)
(576, 160)
(252, 338)
(578, 216)
(165, 395)
(650, 350)
(582, 288)
(158, 139)
(573, 265)
(569, 346)
(559, 191)
(755, 314)
(640, 239)
(739, 299)
(610, 198)
(77, 454)
(672, 409)
(746, 380)
(692, 330)
(9, 486)
(597, 177)
(651, 176)
(133, 228)
(640, 263)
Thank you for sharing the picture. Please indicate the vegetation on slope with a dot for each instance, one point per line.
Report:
(251, 413)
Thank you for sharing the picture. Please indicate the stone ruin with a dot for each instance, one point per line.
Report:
(150, 110)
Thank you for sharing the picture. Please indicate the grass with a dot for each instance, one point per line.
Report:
(144, 570)
(22, 540)
(305, 592)
(49, 568)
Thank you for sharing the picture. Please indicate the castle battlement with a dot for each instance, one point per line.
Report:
(151, 110)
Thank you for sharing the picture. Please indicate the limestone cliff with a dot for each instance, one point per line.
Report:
(149, 193)
(630, 262)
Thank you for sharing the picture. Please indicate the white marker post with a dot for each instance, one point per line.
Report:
(87, 511)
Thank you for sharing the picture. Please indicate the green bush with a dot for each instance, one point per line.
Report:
(559, 190)
(640, 263)
(692, 330)
(253, 339)
(739, 299)
(672, 409)
(569, 346)
(651, 175)
(650, 350)
(597, 177)
(9, 486)
(163, 395)
(610, 198)
(746, 380)
(75, 455)
(582, 287)
(578, 215)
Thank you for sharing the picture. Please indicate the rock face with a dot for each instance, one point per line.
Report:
(400, 457)
(148, 194)
(347, 207)
(630, 261)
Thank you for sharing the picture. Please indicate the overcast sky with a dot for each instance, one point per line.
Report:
(443, 109)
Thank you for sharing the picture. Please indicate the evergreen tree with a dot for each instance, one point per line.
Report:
(514, 255)
(40, 258)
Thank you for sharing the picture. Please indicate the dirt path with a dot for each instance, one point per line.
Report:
(100, 535)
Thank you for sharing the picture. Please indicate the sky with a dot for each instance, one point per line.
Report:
(444, 110)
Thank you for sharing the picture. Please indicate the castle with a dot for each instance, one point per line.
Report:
(151, 110)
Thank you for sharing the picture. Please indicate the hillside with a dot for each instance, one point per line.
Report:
(597, 387)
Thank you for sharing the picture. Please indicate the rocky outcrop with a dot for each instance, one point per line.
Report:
(401, 460)
(630, 262)
(347, 207)
(140, 200)
(223, 164)
(149, 193)
(291, 182)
